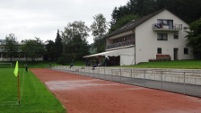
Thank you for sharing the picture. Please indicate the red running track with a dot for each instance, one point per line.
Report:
(80, 94)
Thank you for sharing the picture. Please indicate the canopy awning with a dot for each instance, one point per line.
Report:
(111, 53)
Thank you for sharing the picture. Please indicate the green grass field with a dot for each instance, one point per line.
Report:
(35, 98)
(181, 64)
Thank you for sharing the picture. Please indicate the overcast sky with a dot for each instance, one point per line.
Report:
(41, 18)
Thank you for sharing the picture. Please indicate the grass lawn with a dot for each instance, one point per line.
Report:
(182, 64)
(35, 98)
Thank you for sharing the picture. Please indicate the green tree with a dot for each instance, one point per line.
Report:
(117, 15)
(99, 29)
(58, 46)
(100, 45)
(33, 48)
(50, 50)
(76, 48)
(73, 29)
(99, 26)
(131, 11)
(74, 41)
(141, 7)
(194, 38)
(11, 46)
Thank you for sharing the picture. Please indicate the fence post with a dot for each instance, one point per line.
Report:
(83, 71)
(89, 71)
(80, 70)
(131, 73)
(99, 72)
(104, 73)
(144, 77)
(77, 70)
(184, 82)
(120, 73)
(161, 80)
(93, 73)
(104, 70)
(112, 73)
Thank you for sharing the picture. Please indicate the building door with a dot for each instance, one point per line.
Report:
(175, 53)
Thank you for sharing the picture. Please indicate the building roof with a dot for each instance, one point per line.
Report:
(133, 24)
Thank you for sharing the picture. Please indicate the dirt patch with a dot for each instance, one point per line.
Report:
(73, 84)
(81, 94)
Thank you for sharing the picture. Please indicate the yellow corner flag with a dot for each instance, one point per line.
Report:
(16, 69)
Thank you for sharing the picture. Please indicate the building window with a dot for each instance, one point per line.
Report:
(176, 36)
(165, 22)
(185, 51)
(162, 36)
(185, 28)
(159, 50)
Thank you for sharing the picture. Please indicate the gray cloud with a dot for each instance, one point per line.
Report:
(41, 18)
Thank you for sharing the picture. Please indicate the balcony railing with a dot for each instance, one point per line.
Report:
(121, 44)
(159, 27)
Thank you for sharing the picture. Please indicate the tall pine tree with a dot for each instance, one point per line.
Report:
(58, 46)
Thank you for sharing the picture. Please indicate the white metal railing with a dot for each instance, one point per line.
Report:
(184, 81)
(121, 44)
(175, 27)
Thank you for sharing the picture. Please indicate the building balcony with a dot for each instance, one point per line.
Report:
(169, 28)
(121, 44)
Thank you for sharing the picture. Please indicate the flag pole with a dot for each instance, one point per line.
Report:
(18, 88)
(16, 73)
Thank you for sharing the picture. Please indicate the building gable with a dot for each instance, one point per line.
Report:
(133, 24)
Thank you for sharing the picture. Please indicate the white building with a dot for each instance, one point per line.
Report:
(158, 36)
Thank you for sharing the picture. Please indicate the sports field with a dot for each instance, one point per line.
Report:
(81, 94)
(35, 98)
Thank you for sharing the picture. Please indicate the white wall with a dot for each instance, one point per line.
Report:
(21, 59)
(127, 56)
(147, 43)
